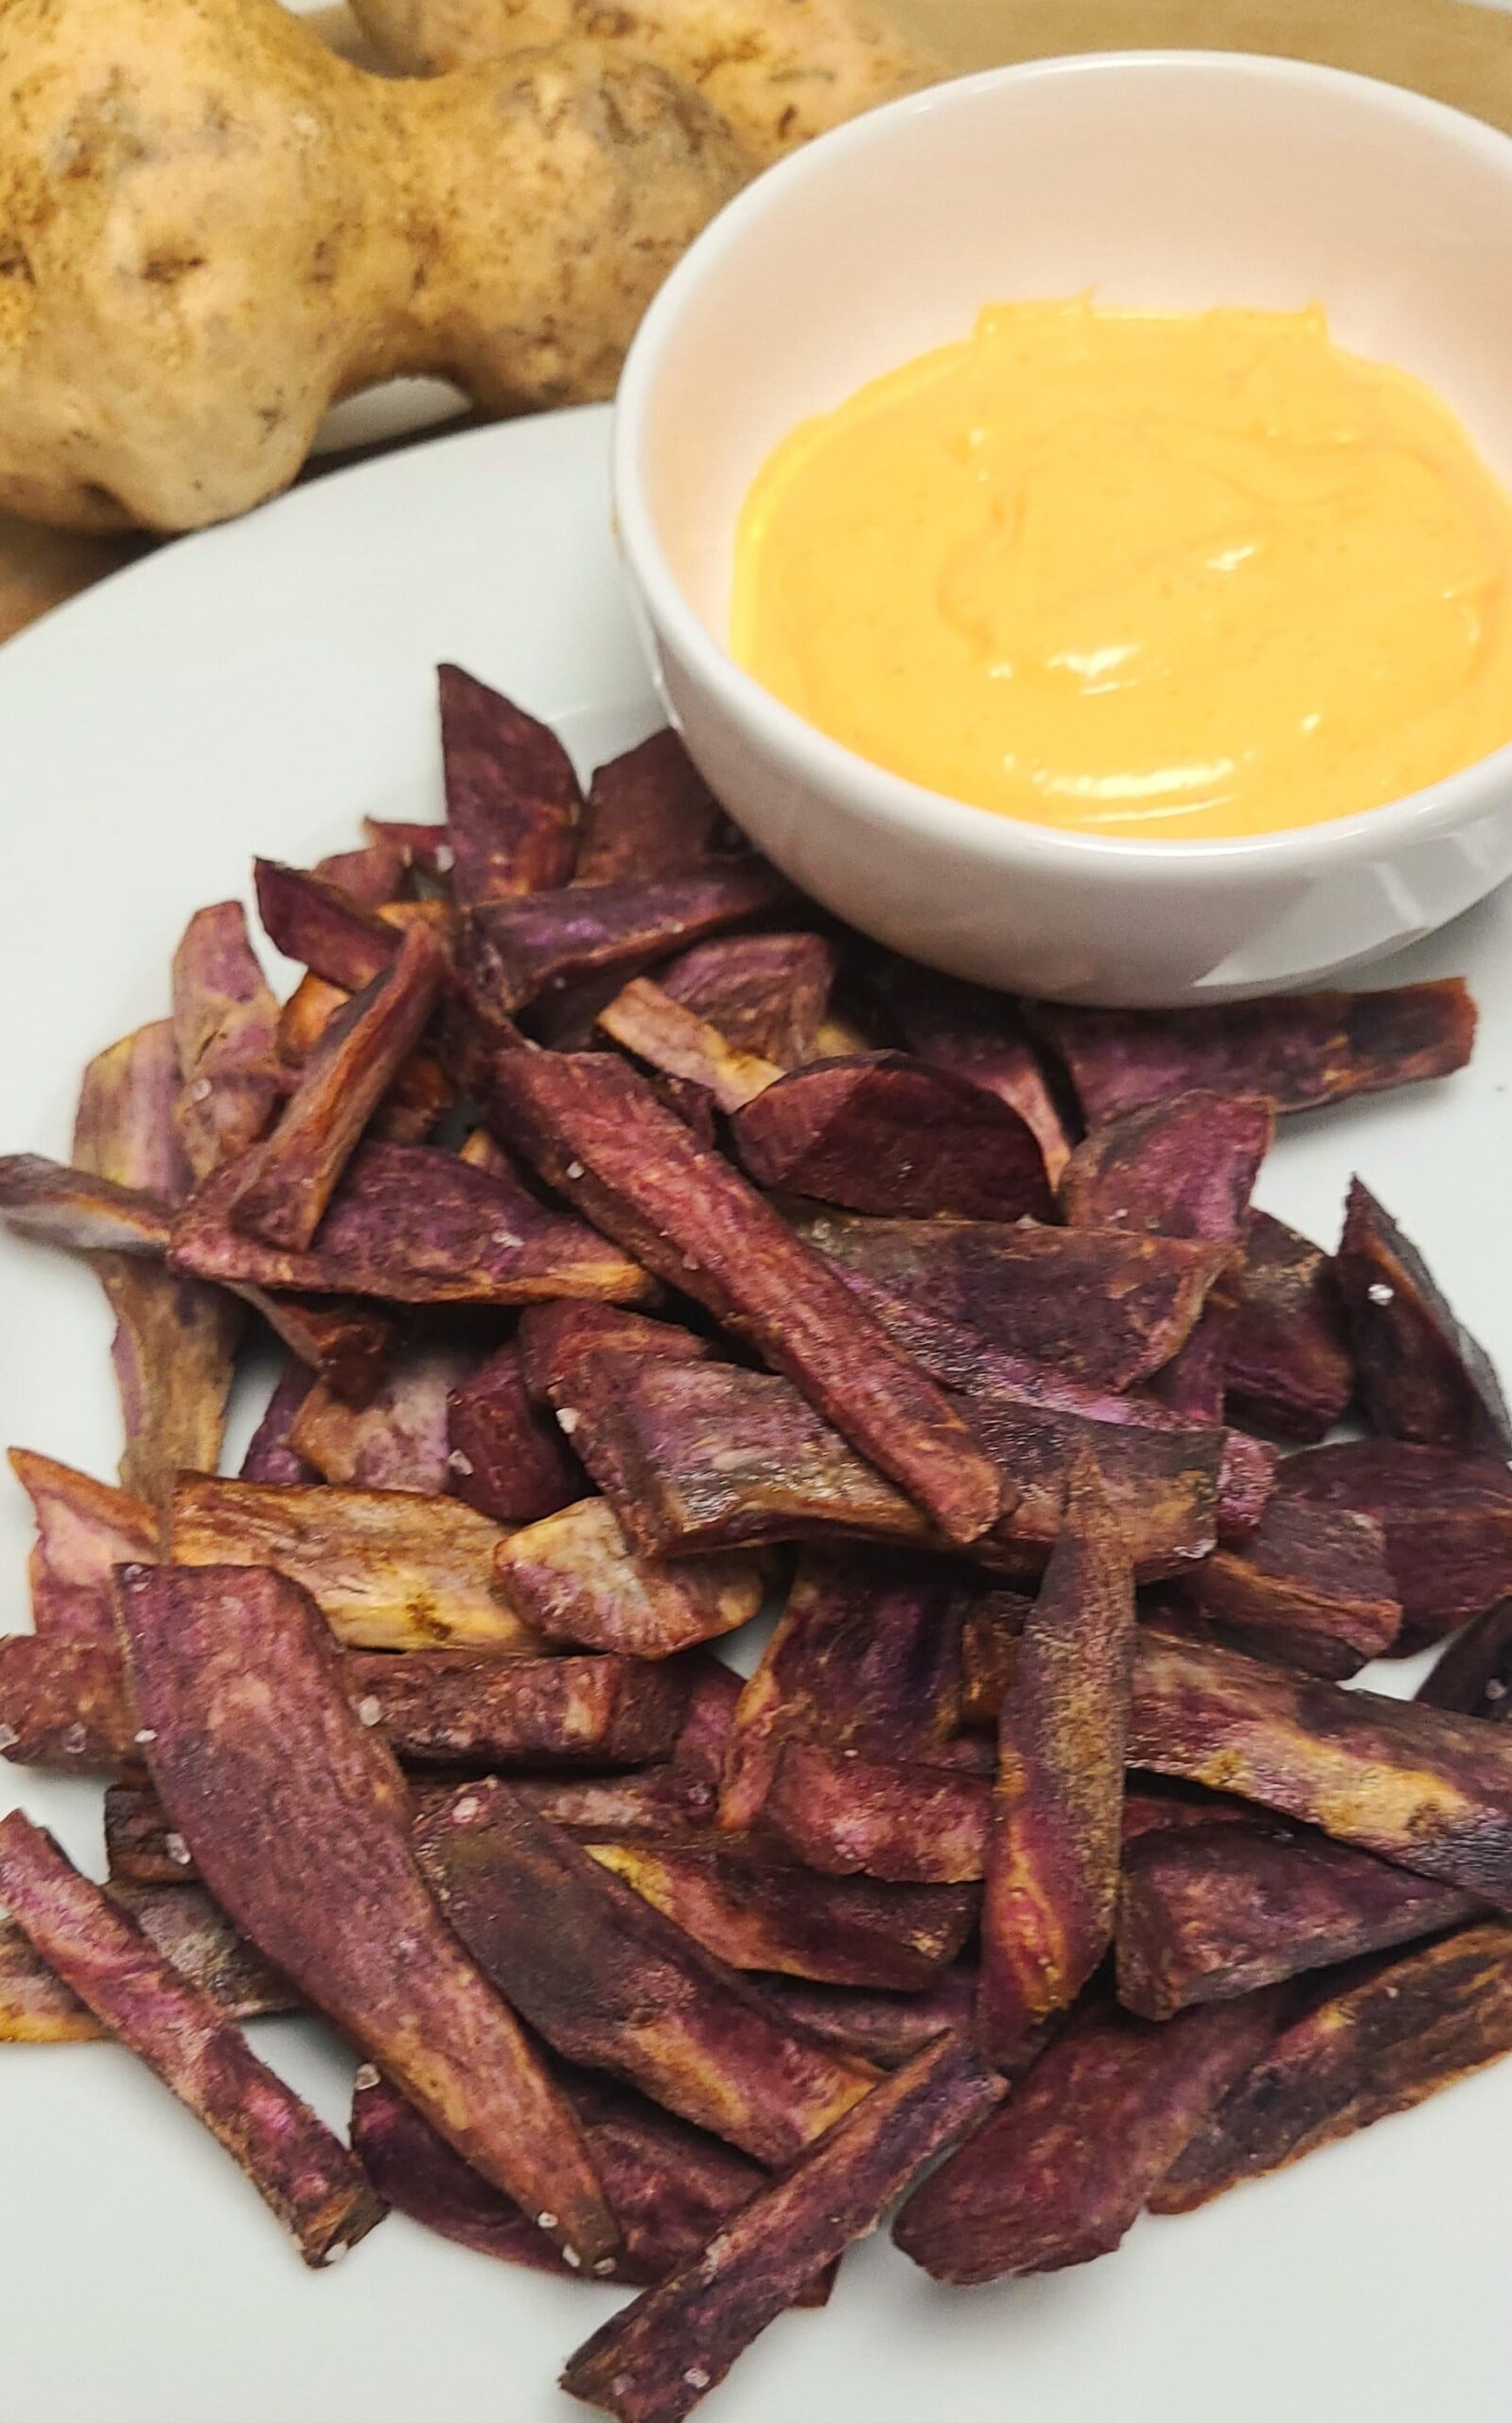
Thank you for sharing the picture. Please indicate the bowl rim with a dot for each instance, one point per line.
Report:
(890, 800)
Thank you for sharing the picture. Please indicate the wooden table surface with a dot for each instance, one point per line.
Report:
(1457, 51)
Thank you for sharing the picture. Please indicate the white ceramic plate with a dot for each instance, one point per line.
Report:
(262, 687)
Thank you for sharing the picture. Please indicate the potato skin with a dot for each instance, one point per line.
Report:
(205, 240)
(779, 74)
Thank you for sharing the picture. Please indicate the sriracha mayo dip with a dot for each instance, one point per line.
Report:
(1160, 575)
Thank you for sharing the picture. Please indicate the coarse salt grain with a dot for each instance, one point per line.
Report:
(177, 1849)
(458, 1462)
(370, 1711)
(696, 2377)
(148, 1733)
(9, 1737)
(566, 1420)
(366, 2076)
(1379, 1293)
(575, 1169)
(466, 1810)
(572, 2258)
(73, 1741)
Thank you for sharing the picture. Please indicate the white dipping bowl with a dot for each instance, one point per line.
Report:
(1172, 179)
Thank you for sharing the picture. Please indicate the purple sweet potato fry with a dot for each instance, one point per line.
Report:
(398, 1438)
(297, 1818)
(414, 1227)
(1377, 2045)
(609, 1982)
(305, 1018)
(594, 1129)
(1431, 1791)
(575, 1578)
(1313, 1588)
(503, 1455)
(670, 2185)
(1209, 1912)
(124, 1129)
(1181, 1167)
(474, 1709)
(884, 2028)
(373, 874)
(865, 1656)
(555, 1340)
(304, 2175)
(703, 1742)
(650, 1024)
(347, 1342)
(284, 1186)
(1421, 1375)
(636, 2367)
(895, 1136)
(269, 1455)
(182, 1923)
(226, 1039)
(1299, 1048)
(990, 1637)
(84, 1527)
(427, 847)
(1092, 1304)
(388, 1569)
(765, 994)
(754, 1911)
(844, 1815)
(174, 1358)
(514, 950)
(511, 797)
(981, 1036)
(648, 812)
(64, 1704)
(963, 1361)
(141, 1846)
(87, 1214)
(1163, 1485)
(322, 926)
(1474, 1676)
(1059, 2175)
(1051, 1884)
(1446, 1517)
(1288, 1368)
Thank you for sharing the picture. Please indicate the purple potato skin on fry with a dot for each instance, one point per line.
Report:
(85, 1529)
(183, 1923)
(980, 1034)
(1431, 1791)
(504, 1456)
(1288, 1368)
(1415, 2024)
(903, 1825)
(649, 812)
(636, 2365)
(1446, 1517)
(607, 1981)
(1421, 1373)
(511, 797)
(1209, 1912)
(304, 2174)
(1474, 1676)
(412, 1227)
(298, 1820)
(270, 1457)
(1051, 1883)
(765, 993)
(513, 951)
(1183, 1168)
(1061, 2171)
(893, 1135)
(226, 1039)
(697, 1223)
(1311, 1589)
(1300, 1049)
(317, 924)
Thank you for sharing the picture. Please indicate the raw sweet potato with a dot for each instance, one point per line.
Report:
(304, 2174)
(298, 1820)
